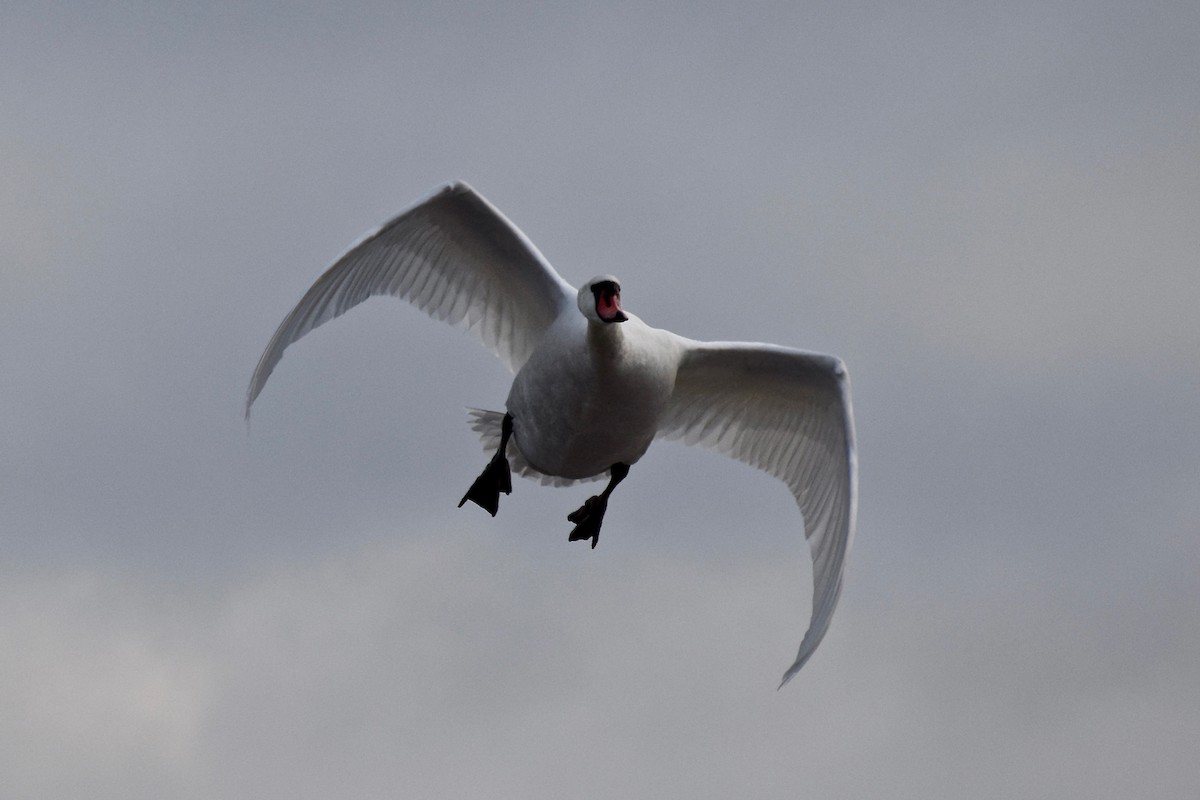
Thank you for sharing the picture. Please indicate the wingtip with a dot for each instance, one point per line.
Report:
(251, 395)
(807, 649)
(787, 676)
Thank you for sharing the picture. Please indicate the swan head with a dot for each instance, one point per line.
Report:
(600, 300)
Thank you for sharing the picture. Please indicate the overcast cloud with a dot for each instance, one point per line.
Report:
(989, 212)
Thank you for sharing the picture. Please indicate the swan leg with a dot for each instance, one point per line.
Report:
(495, 478)
(587, 517)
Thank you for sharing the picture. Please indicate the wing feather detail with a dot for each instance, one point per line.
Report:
(455, 257)
(788, 413)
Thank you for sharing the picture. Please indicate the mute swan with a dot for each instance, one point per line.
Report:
(594, 385)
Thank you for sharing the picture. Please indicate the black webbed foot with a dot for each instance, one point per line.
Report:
(496, 476)
(587, 519)
(485, 491)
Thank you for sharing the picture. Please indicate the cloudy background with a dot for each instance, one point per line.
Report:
(991, 215)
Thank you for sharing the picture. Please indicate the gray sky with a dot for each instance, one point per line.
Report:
(988, 212)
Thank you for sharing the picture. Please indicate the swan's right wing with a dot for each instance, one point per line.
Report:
(786, 412)
(455, 257)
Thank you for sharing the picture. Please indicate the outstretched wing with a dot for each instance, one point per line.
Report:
(455, 257)
(786, 412)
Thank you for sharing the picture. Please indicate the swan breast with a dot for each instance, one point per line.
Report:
(591, 396)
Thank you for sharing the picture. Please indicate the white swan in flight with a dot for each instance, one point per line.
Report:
(594, 385)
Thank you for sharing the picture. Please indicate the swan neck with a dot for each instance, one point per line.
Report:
(604, 338)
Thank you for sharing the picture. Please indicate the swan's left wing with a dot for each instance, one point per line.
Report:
(786, 412)
(454, 256)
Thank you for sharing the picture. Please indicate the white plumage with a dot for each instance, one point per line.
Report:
(594, 385)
